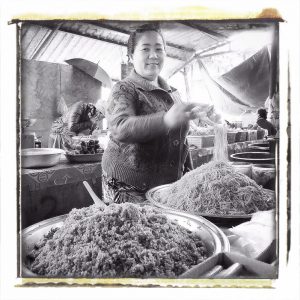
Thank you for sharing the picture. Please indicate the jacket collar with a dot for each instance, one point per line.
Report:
(146, 85)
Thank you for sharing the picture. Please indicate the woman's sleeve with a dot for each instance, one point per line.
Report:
(74, 124)
(124, 124)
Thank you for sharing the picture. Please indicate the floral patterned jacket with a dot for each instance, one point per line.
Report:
(142, 152)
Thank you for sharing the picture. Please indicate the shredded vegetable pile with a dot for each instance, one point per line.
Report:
(216, 188)
(121, 240)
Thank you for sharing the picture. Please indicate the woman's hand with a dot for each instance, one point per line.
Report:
(178, 114)
(182, 112)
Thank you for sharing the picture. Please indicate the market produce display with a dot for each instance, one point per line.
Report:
(87, 147)
(120, 240)
(216, 188)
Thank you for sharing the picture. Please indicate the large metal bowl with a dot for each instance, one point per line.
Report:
(259, 147)
(153, 195)
(254, 157)
(215, 240)
(40, 157)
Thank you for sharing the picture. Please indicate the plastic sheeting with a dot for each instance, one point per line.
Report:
(245, 87)
(250, 80)
(223, 100)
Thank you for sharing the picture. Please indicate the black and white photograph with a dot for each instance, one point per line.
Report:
(149, 149)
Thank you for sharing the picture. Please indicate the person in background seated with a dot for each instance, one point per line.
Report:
(264, 123)
(80, 119)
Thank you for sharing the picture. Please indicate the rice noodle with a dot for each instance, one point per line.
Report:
(216, 188)
(220, 145)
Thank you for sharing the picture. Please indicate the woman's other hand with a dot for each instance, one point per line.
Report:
(180, 113)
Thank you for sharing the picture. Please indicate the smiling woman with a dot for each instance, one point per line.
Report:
(149, 55)
(148, 123)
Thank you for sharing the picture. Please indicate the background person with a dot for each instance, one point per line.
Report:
(264, 123)
(80, 119)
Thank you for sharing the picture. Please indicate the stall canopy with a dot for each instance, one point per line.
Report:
(250, 80)
(104, 44)
(245, 87)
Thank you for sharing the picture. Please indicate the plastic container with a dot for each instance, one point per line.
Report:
(203, 141)
(252, 135)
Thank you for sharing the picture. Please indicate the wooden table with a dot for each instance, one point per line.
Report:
(53, 191)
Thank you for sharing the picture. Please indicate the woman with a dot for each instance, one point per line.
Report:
(148, 125)
(81, 118)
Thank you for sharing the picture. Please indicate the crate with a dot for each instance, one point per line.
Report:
(260, 134)
(231, 137)
(203, 141)
(241, 136)
(252, 135)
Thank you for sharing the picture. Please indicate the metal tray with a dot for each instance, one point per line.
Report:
(84, 158)
(215, 240)
(153, 196)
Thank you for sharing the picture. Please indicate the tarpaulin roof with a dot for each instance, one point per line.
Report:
(249, 81)
(243, 87)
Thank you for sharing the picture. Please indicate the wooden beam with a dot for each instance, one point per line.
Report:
(113, 28)
(45, 42)
(187, 84)
(274, 63)
(197, 54)
(204, 29)
(216, 53)
(103, 39)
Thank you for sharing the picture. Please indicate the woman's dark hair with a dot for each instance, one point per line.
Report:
(262, 113)
(132, 41)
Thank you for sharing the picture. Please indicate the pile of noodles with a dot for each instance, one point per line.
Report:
(216, 188)
(220, 143)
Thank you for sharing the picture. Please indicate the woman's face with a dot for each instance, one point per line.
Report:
(149, 55)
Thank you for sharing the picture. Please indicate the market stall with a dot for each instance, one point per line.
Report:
(177, 188)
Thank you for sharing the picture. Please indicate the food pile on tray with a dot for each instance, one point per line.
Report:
(85, 150)
(90, 146)
(216, 188)
(120, 240)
